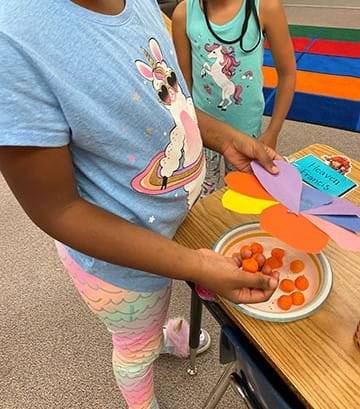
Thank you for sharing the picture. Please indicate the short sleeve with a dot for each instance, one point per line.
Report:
(30, 114)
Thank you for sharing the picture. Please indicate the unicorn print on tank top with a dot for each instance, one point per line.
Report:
(222, 70)
(182, 162)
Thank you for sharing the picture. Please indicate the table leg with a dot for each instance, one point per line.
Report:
(221, 386)
(195, 326)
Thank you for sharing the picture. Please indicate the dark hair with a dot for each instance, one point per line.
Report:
(250, 8)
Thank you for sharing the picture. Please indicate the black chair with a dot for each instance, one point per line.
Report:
(247, 371)
(250, 376)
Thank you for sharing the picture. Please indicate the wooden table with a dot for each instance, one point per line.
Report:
(316, 356)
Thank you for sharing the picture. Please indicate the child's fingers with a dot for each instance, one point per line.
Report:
(273, 154)
(259, 281)
(254, 288)
(275, 274)
(266, 157)
(251, 296)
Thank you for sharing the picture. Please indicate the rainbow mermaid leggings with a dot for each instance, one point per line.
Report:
(135, 321)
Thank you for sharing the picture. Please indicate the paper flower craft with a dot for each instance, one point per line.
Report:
(295, 213)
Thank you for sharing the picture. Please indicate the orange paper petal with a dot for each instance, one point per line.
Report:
(295, 230)
(344, 238)
(247, 184)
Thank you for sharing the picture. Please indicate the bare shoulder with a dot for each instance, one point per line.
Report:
(179, 14)
(270, 7)
(271, 11)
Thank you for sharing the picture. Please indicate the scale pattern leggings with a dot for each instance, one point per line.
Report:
(135, 321)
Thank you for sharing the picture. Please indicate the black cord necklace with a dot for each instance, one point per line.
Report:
(249, 7)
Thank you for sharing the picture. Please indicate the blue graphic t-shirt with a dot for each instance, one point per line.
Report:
(111, 89)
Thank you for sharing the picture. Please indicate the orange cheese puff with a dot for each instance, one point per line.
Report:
(260, 259)
(278, 253)
(287, 285)
(298, 298)
(297, 266)
(250, 265)
(273, 262)
(284, 302)
(302, 283)
(245, 252)
(256, 248)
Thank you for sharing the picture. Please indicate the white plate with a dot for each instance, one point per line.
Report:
(317, 270)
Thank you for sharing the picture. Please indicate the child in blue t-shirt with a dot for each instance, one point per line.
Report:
(100, 144)
(220, 48)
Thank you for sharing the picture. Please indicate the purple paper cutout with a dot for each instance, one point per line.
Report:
(311, 198)
(339, 206)
(285, 187)
(347, 222)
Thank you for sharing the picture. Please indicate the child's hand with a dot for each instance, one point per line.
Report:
(269, 138)
(223, 276)
(242, 150)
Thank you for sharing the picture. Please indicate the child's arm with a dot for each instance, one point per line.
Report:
(238, 148)
(217, 135)
(276, 28)
(43, 182)
(181, 42)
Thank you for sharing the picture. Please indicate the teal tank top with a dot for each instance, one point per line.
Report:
(227, 82)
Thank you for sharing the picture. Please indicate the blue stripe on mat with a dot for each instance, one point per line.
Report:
(324, 64)
(321, 110)
(269, 100)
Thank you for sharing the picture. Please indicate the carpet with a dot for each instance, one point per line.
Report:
(328, 77)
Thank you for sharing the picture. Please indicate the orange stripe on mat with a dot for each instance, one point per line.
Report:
(315, 83)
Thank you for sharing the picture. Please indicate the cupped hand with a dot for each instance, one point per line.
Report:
(224, 276)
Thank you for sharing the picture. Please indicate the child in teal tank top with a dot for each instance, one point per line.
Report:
(220, 48)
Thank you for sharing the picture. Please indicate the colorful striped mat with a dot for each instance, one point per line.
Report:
(328, 77)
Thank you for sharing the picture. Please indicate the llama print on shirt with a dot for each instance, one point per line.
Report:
(182, 163)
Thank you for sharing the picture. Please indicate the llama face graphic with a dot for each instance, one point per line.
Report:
(163, 78)
(181, 163)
